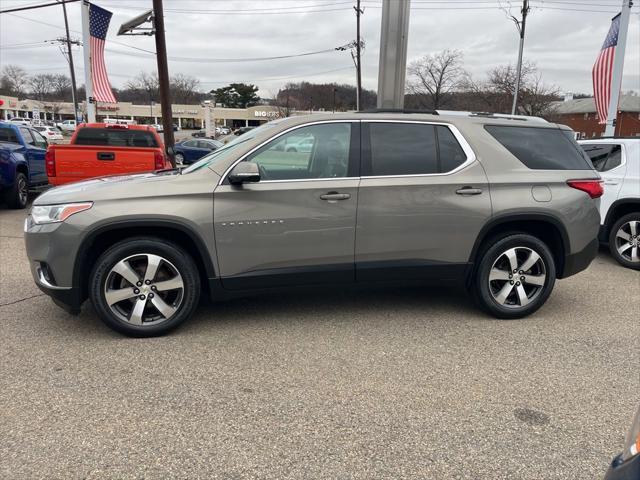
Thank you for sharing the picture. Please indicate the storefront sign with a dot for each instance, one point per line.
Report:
(268, 114)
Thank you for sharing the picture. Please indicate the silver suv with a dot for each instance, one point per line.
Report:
(502, 205)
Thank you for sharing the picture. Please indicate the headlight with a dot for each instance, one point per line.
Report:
(632, 443)
(57, 213)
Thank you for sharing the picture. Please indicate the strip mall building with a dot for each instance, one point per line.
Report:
(185, 116)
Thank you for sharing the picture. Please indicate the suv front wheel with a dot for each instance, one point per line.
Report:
(144, 286)
(515, 276)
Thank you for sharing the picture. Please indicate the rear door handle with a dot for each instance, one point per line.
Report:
(610, 182)
(469, 191)
(335, 196)
(106, 156)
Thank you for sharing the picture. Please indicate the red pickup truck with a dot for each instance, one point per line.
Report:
(99, 149)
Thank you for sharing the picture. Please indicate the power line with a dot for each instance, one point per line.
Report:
(32, 7)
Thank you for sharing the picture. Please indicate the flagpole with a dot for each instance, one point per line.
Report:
(618, 66)
(86, 49)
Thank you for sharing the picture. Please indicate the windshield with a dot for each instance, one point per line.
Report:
(221, 153)
(213, 157)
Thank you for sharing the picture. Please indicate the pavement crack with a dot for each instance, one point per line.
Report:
(22, 299)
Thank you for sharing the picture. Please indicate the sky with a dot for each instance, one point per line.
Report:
(221, 41)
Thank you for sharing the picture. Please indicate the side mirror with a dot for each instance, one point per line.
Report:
(244, 172)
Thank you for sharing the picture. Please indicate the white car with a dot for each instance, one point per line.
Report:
(618, 161)
(52, 134)
(20, 121)
(67, 126)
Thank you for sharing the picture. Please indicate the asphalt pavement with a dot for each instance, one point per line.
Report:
(387, 383)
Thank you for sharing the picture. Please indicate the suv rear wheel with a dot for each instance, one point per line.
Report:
(515, 276)
(144, 286)
(624, 241)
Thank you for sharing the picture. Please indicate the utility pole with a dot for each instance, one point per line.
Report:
(359, 11)
(74, 96)
(618, 67)
(394, 36)
(163, 77)
(520, 25)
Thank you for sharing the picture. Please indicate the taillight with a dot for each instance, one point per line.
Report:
(593, 188)
(50, 162)
(158, 158)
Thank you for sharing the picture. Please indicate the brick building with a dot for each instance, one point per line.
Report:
(580, 114)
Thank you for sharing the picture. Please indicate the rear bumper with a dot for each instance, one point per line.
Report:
(579, 261)
(629, 470)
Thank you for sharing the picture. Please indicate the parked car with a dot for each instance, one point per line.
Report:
(502, 206)
(189, 151)
(175, 127)
(22, 151)
(199, 134)
(303, 145)
(222, 130)
(626, 466)
(98, 149)
(20, 121)
(158, 127)
(618, 161)
(67, 126)
(243, 130)
(52, 134)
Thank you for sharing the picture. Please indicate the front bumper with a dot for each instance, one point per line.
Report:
(579, 261)
(52, 249)
(629, 470)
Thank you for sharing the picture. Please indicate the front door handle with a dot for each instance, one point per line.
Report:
(469, 191)
(335, 196)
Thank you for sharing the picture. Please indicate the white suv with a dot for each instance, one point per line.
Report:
(618, 161)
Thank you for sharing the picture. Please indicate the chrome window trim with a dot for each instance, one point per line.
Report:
(295, 127)
(466, 148)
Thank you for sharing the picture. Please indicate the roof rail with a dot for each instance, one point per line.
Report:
(398, 110)
(523, 118)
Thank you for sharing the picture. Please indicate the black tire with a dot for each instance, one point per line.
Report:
(495, 252)
(18, 195)
(625, 259)
(183, 304)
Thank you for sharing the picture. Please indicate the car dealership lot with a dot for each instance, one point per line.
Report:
(385, 383)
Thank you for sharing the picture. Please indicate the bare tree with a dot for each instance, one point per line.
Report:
(496, 92)
(15, 78)
(61, 86)
(434, 78)
(184, 89)
(41, 85)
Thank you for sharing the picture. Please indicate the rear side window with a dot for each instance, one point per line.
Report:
(115, 137)
(604, 157)
(411, 149)
(541, 148)
(8, 135)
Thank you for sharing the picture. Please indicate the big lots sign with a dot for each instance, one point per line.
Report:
(267, 114)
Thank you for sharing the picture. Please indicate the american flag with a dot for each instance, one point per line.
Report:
(99, 19)
(603, 70)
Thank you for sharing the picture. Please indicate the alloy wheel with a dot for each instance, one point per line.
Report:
(23, 191)
(517, 277)
(144, 289)
(179, 159)
(627, 241)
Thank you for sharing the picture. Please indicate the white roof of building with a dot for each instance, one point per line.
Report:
(628, 103)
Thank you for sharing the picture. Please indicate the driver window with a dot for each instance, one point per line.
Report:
(39, 139)
(316, 151)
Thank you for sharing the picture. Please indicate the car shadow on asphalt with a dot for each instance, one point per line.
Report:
(311, 308)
